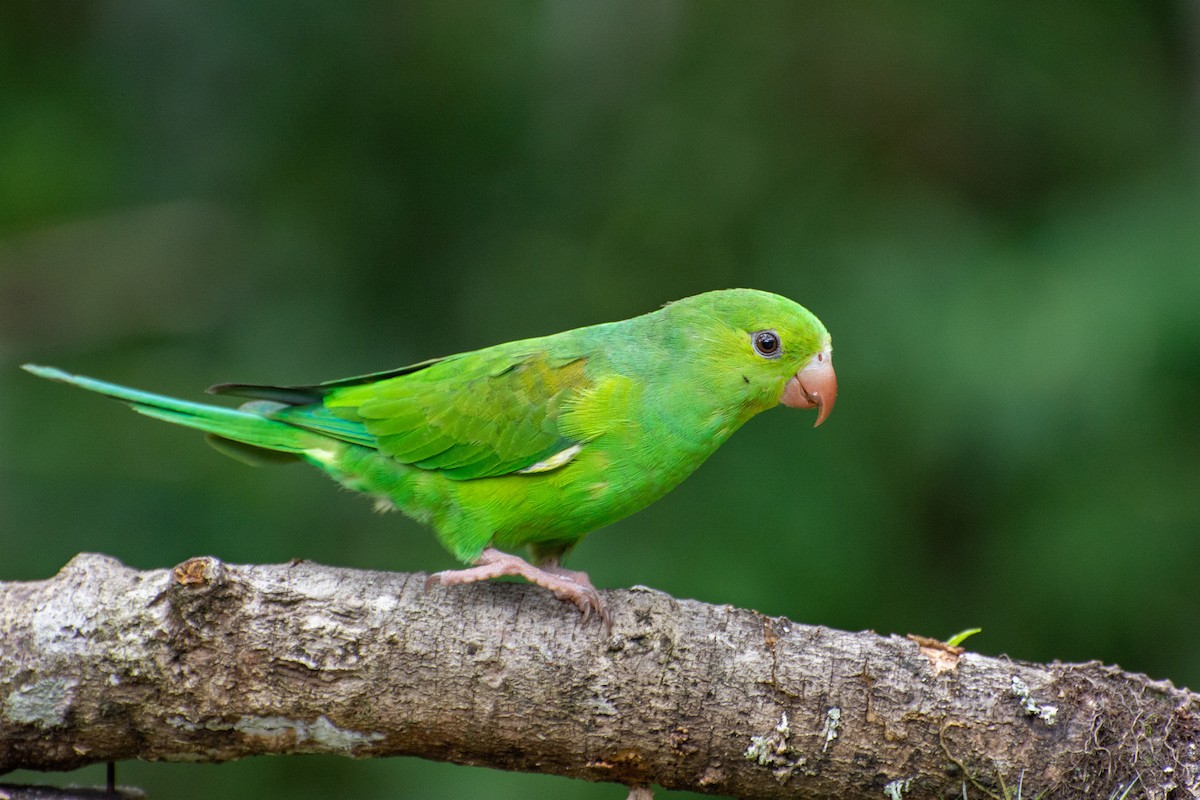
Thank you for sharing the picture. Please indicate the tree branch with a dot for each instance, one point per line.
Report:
(211, 661)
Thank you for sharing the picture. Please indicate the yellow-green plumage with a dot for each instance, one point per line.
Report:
(534, 442)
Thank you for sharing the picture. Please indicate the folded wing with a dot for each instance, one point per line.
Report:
(474, 415)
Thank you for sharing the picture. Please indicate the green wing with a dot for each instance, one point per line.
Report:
(473, 415)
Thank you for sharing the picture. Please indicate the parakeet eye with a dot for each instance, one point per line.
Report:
(766, 343)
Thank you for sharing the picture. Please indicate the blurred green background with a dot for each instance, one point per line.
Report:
(995, 210)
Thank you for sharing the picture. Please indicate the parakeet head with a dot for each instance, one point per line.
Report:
(761, 347)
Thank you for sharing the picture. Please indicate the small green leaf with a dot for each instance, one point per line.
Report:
(962, 636)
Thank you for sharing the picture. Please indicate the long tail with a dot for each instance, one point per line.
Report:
(239, 425)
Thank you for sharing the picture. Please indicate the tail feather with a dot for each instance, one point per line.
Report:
(229, 423)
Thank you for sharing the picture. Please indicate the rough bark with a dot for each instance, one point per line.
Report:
(13, 792)
(211, 662)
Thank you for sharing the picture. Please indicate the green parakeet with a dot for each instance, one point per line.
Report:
(534, 442)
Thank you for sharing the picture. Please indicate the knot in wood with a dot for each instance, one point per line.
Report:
(201, 571)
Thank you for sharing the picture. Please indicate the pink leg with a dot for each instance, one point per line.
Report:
(581, 578)
(574, 587)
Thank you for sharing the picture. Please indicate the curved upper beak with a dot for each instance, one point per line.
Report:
(814, 386)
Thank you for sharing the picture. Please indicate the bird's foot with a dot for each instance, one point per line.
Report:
(565, 584)
(585, 584)
(578, 577)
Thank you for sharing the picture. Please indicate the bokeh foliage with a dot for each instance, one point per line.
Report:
(994, 208)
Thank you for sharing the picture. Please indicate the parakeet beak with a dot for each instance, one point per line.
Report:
(814, 386)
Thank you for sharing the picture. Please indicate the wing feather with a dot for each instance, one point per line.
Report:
(490, 412)
(472, 416)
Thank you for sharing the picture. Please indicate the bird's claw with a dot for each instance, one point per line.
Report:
(573, 587)
(581, 592)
